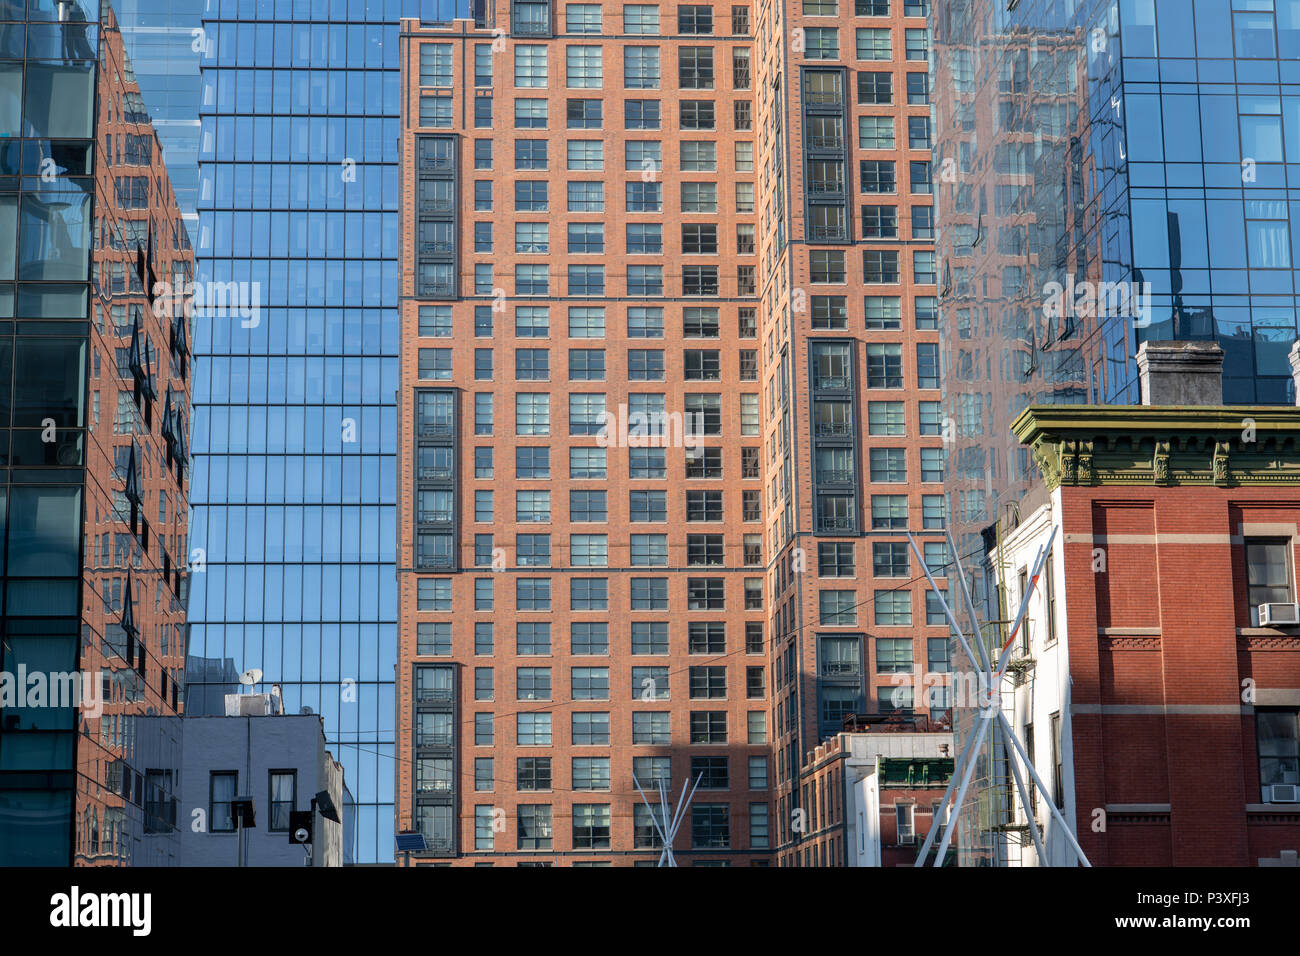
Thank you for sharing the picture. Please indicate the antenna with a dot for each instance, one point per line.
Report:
(993, 723)
(250, 677)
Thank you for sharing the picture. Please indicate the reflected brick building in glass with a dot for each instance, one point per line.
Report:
(1148, 151)
(95, 373)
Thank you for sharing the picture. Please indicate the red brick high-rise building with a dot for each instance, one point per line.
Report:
(664, 393)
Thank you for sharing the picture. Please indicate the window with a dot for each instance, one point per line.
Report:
(903, 821)
(584, 114)
(835, 559)
(534, 826)
(695, 19)
(876, 132)
(885, 418)
(436, 64)
(650, 638)
(712, 772)
(641, 18)
(534, 594)
(1277, 737)
(884, 365)
(532, 321)
(588, 550)
(483, 683)
(583, 67)
(533, 729)
(590, 729)
(533, 550)
(530, 154)
(837, 608)
(874, 43)
(916, 43)
(890, 559)
(708, 727)
(587, 463)
(880, 265)
(876, 89)
(532, 773)
(924, 267)
(650, 594)
(530, 66)
(822, 43)
(533, 683)
(647, 463)
(648, 550)
(591, 773)
(531, 238)
(586, 322)
(436, 111)
(582, 18)
(826, 265)
(877, 176)
(484, 831)
(938, 655)
(932, 464)
(587, 506)
(531, 462)
(650, 727)
(644, 197)
(586, 197)
(533, 638)
(893, 608)
(641, 114)
(484, 638)
(532, 196)
(433, 638)
(710, 826)
(222, 788)
(586, 365)
(698, 114)
(880, 222)
(1268, 574)
(586, 154)
(893, 655)
(532, 413)
(918, 89)
(1058, 774)
(708, 683)
(927, 365)
(695, 68)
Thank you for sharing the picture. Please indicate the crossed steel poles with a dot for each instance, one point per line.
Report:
(668, 830)
(992, 721)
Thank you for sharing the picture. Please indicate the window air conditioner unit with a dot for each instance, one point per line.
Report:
(1283, 793)
(1278, 615)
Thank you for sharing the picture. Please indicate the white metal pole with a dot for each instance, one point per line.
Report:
(961, 794)
(957, 768)
(1051, 801)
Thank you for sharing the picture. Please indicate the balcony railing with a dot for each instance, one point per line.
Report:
(434, 517)
(826, 142)
(823, 186)
(837, 475)
(834, 430)
(837, 382)
(437, 429)
(433, 693)
(840, 669)
(433, 561)
(824, 98)
(834, 523)
(437, 205)
(828, 234)
(437, 162)
(434, 740)
(433, 786)
(435, 474)
(440, 245)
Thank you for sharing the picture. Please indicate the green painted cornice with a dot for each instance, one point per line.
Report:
(1227, 446)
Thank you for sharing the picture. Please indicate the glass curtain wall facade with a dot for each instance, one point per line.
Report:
(165, 42)
(295, 427)
(94, 406)
(1108, 174)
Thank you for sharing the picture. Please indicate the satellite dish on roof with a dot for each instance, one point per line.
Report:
(250, 677)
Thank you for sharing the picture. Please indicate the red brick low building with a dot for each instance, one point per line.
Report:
(1160, 673)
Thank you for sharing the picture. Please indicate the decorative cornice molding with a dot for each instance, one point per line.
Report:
(1086, 445)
